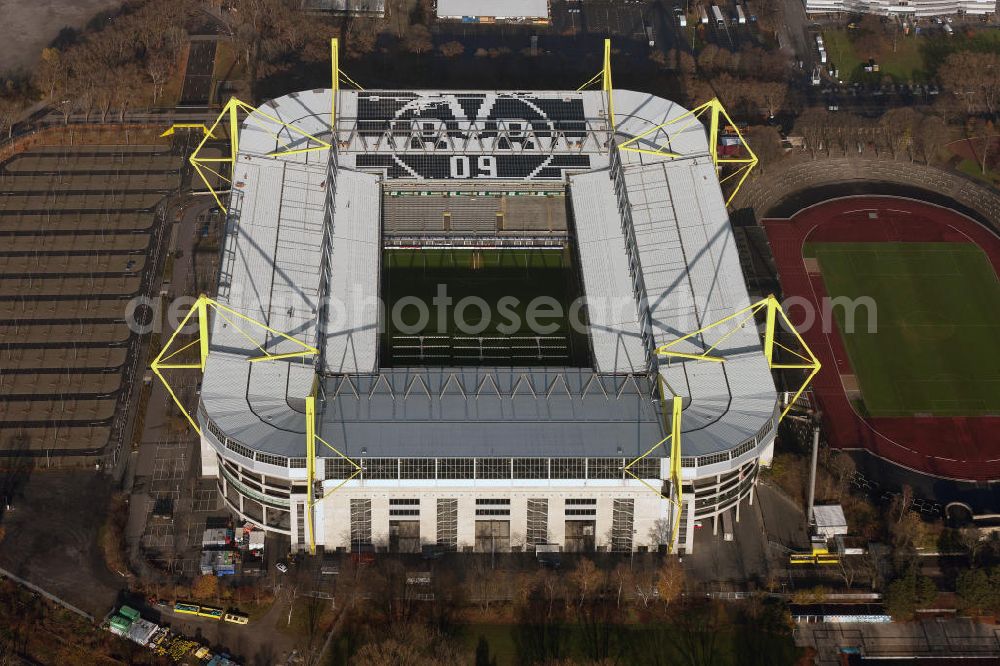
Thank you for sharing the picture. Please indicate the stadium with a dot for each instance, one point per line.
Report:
(395, 411)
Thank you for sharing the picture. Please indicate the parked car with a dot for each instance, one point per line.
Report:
(282, 567)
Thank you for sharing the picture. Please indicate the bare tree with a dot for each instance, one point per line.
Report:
(418, 39)
(586, 578)
(933, 135)
(451, 49)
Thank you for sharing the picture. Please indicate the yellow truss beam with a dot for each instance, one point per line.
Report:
(676, 496)
(716, 112)
(336, 75)
(311, 439)
(604, 76)
(176, 126)
(229, 116)
(202, 306)
(773, 312)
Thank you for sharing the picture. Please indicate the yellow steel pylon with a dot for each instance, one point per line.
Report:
(772, 311)
(270, 124)
(336, 74)
(715, 111)
(605, 78)
(713, 107)
(311, 439)
(229, 113)
(676, 496)
(201, 307)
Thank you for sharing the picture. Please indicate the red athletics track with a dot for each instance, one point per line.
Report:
(959, 447)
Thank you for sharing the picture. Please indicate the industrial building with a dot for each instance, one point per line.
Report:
(903, 8)
(495, 439)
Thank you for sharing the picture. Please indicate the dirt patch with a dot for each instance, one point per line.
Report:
(52, 537)
(31, 26)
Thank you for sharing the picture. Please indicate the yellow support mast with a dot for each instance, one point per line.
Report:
(202, 307)
(336, 75)
(716, 112)
(311, 471)
(604, 76)
(676, 487)
(773, 312)
(676, 494)
(311, 440)
(229, 119)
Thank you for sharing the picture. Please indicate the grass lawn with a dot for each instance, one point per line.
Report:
(904, 65)
(840, 51)
(505, 282)
(937, 310)
(974, 169)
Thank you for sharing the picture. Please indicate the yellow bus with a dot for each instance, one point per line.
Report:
(186, 609)
(236, 618)
(214, 613)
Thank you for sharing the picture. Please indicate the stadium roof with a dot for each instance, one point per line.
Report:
(682, 274)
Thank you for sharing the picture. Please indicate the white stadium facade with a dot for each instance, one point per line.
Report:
(478, 451)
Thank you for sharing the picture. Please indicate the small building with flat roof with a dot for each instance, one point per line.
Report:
(830, 520)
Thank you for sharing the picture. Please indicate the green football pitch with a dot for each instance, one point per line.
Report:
(509, 283)
(936, 345)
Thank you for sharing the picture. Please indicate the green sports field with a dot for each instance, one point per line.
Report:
(936, 349)
(507, 283)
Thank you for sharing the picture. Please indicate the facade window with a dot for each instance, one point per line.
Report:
(361, 522)
(338, 468)
(447, 523)
(236, 447)
(538, 522)
(713, 458)
(380, 468)
(492, 536)
(622, 520)
(456, 468)
(531, 468)
(569, 468)
(646, 468)
(605, 468)
(279, 461)
(492, 468)
(416, 468)
(488, 500)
